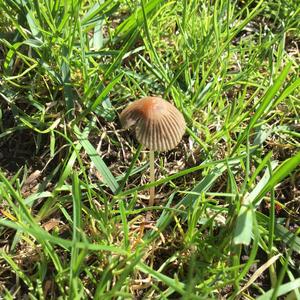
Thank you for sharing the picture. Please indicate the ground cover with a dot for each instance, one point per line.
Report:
(74, 184)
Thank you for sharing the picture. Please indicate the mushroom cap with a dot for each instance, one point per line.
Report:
(159, 125)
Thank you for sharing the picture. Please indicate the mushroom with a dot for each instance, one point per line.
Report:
(159, 126)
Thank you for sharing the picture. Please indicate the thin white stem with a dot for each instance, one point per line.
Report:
(152, 179)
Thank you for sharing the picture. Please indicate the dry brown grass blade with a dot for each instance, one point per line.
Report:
(259, 271)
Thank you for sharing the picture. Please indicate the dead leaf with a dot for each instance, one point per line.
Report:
(51, 224)
(31, 182)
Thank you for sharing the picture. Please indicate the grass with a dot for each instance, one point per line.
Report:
(74, 185)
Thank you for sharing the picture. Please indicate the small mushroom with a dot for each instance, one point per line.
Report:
(159, 126)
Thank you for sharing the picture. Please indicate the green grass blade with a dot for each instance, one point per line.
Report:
(204, 165)
(244, 225)
(100, 165)
(42, 235)
(265, 103)
(77, 228)
(174, 284)
(279, 174)
(282, 290)
(18, 271)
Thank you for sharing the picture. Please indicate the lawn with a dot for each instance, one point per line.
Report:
(74, 184)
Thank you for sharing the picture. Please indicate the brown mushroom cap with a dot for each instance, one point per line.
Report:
(159, 125)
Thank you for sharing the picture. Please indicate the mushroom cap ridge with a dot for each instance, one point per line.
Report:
(159, 125)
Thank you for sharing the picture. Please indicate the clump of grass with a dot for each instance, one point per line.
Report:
(72, 182)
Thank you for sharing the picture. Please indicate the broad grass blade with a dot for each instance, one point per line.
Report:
(100, 165)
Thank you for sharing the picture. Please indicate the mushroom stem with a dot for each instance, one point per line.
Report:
(152, 178)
